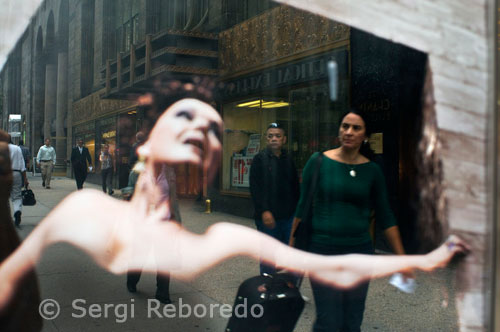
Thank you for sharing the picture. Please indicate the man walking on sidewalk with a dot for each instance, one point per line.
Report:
(19, 179)
(46, 159)
(79, 157)
(274, 186)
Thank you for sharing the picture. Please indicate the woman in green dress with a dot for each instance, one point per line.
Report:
(349, 187)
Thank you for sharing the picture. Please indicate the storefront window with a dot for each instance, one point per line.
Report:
(296, 95)
(107, 128)
(246, 122)
(315, 120)
(107, 135)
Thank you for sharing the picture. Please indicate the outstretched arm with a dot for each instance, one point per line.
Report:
(224, 240)
(124, 236)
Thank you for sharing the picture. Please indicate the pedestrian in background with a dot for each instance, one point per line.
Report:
(22, 313)
(45, 159)
(108, 168)
(79, 157)
(26, 154)
(139, 140)
(274, 185)
(19, 180)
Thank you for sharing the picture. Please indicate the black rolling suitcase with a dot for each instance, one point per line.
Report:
(272, 303)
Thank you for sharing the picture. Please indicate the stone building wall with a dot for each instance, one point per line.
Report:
(75, 49)
(98, 41)
(455, 35)
(26, 79)
(5, 100)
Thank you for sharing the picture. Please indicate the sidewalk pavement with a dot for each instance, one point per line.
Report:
(67, 275)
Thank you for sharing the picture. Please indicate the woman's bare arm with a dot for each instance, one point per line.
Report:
(124, 236)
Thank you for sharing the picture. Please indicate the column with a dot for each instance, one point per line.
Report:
(61, 109)
(50, 99)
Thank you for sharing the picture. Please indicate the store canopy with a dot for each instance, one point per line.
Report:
(15, 16)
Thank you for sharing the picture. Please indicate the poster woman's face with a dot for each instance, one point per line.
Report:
(188, 132)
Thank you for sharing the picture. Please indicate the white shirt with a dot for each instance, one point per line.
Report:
(16, 158)
(46, 153)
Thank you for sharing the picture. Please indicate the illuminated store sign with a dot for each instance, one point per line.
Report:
(309, 69)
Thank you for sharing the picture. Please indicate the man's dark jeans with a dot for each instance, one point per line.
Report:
(281, 233)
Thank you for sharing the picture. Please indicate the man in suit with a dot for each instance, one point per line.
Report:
(79, 157)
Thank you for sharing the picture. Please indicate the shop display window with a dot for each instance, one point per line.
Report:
(108, 134)
(89, 142)
(310, 120)
(315, 120)
(246, 122)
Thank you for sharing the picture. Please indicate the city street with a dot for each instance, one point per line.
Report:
(67, 276)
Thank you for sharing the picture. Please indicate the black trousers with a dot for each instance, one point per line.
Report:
(339, 309)
(80, 176)
(162, 282)
(105, 175)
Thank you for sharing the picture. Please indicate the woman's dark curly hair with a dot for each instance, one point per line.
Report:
(167, 91)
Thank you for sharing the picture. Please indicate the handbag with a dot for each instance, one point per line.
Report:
(303, 232)
(28, 197)
(279, 300)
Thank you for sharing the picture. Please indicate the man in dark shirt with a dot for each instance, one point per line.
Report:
(274, 186)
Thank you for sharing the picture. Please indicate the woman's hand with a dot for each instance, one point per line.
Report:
(349, 270)
(441, 256)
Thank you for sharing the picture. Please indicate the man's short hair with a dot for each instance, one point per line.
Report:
(276, 125)
(140, 137)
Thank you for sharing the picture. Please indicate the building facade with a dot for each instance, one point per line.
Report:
(422, 71)
(81, 65)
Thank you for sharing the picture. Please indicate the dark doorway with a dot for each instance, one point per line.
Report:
(387, 83)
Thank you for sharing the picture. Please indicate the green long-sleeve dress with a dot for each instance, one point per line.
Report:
(343, 203)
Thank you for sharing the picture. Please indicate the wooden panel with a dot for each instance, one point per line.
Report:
(467, 96)
(461, 147)
(467, 179)
(470, 75)
(460, 121)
